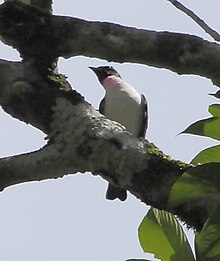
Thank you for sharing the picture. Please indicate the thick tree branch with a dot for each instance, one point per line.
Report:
(49, 36)
(181, 53)
(44, 5)
(22, 95)
(80, 139)
(215, 35)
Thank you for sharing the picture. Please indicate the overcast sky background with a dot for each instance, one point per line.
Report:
(69, 218)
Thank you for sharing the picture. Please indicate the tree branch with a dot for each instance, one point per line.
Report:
(215, 35)
(180, 53)
(50, 36)
(80, 139)
(22, 95)
(44, 5)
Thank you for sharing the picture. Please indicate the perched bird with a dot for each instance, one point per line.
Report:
(122, 103)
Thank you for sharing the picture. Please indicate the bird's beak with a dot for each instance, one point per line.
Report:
(94, 69)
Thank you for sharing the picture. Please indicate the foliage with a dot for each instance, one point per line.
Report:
(208, 240)
(207, 127)
(160, 232)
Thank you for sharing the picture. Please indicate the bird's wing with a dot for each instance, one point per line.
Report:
(102, 106)
(112, 191)
(144, 117)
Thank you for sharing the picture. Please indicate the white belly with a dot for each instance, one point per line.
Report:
(121, 107)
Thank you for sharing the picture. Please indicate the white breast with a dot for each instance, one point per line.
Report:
(123, 104)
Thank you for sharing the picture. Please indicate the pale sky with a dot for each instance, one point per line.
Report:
(69, 219)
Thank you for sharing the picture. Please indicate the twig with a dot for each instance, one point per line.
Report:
(198, 20)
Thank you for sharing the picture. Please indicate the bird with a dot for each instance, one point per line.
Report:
(123, 104)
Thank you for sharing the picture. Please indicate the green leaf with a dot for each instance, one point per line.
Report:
(208, 127)
(211, 154)
(198, 182)
(160, 233)
(214, 109)
(207, 242)
(188, 188)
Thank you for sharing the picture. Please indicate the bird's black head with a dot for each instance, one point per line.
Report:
(104, 71)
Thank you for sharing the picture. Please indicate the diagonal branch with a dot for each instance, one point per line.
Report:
(83, 140)
(80, 139)
(215, 35)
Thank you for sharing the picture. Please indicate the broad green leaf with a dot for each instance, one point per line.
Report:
(209, 171)
(160, 233)
(189, 188)
(214, 109)
(208, 127)
(208, 240)
(211, 154)
(198, 182)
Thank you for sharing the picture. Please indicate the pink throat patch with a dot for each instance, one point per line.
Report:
(111, 81)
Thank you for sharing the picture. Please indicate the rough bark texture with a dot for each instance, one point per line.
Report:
(41, 34)
(79, 138)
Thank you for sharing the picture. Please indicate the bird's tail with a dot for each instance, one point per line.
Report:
(115, 192)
